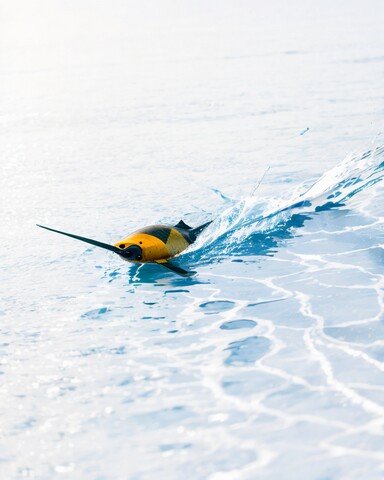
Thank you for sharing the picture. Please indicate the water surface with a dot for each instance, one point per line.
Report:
(267, 118)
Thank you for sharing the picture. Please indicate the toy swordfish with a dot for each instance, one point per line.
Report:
(153, 244)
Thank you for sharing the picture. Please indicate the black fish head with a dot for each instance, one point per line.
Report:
(131, 252)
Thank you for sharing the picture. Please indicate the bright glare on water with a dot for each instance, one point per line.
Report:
(265, 117)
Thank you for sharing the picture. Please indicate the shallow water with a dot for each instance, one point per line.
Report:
(267, 119)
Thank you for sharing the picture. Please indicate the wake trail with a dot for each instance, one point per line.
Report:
(251, 221)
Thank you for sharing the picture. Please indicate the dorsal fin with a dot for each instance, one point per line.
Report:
(182, 224)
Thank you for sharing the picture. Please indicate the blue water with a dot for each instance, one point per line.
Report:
(268, 120)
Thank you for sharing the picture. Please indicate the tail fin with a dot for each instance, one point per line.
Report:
(195, 232)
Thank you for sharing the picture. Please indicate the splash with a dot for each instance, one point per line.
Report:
(255, 226)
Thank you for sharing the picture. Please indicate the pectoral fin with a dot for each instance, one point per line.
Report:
(175, 268)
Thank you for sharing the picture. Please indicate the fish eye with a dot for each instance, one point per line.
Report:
(139, 257)
(122, 245)
(141, 243)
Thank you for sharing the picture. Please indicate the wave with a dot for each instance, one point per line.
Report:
(254, 226)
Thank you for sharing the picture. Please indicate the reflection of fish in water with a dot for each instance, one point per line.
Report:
(156, 244)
